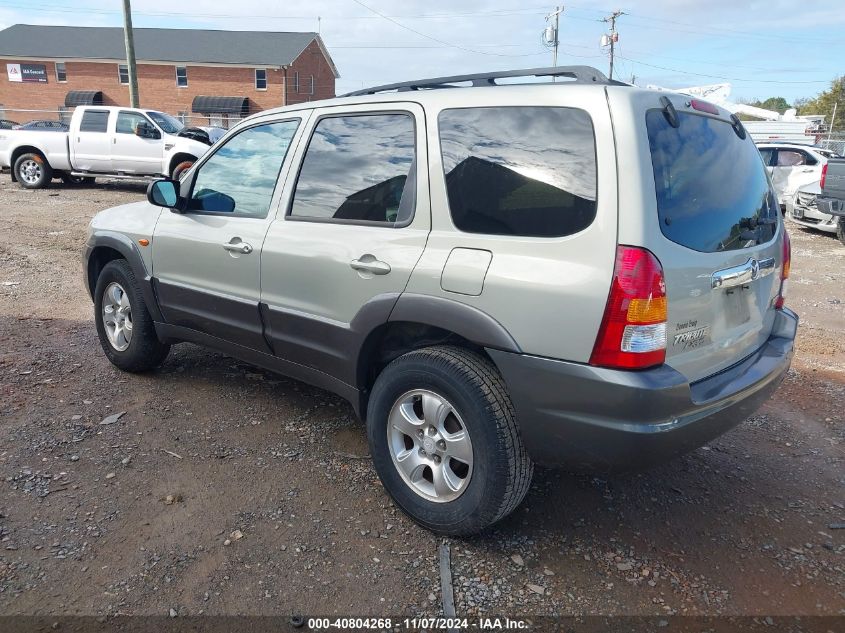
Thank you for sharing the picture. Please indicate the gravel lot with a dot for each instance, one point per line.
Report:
(224, 489)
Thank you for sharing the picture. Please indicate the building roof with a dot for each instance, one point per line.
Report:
(247, 48)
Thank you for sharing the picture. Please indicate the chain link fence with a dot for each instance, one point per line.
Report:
(836, 143)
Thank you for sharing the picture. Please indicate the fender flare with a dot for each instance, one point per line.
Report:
(131, 253)
(464, 320)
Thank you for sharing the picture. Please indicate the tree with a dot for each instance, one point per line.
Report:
(779, 104)
(824, 101)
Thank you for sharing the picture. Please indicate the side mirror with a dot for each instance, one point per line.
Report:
(145, 130)
(163, 193)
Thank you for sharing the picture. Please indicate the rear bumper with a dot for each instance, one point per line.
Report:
(606, 420)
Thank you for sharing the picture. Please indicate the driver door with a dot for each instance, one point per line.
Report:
(206, 260)
(135, 154)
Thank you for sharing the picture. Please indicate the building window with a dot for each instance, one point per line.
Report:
(261, 79)
(311, 86)
(123, 74)
(61, 72)
(182, 76)
(296, 82)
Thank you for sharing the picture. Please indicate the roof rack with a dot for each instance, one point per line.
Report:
(581, 74)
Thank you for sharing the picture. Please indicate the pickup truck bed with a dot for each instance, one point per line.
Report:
(832, 197)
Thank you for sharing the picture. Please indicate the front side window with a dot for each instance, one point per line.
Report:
(527, 171)
(261, 79)
(358, 168)
(128, 121)
(181, 77)
(94, 121)
(712, 190)
(61, 72)
(123, 74)
(240, 177)
(170, 124)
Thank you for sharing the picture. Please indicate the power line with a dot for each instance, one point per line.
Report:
(765, 81)
(434, 39)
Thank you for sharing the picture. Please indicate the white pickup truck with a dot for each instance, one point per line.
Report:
(102, 141)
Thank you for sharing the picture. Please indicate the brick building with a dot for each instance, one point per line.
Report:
(205, 77)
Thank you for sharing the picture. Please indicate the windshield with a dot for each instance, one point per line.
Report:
(168, 124)
(713, 192)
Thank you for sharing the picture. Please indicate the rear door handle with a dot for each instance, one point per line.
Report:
(238, 246)
(369, 264)
(744, 273)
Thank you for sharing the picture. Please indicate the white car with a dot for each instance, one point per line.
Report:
(801, 209)
(792, 166)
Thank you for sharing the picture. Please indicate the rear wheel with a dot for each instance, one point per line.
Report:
(840, 230)
(70, 179)
(445, 442)
(124, 325)
(33, 171)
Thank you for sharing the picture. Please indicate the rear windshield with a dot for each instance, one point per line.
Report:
(713, 193)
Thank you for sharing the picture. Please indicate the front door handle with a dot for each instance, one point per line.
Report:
(237, 246)
(368, 264)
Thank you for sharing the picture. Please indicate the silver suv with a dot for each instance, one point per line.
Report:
(580, 273)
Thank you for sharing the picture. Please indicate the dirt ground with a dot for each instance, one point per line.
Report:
(224, 489)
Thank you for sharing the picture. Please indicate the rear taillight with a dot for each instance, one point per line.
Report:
(633, 329)
(784, 270)
(824, 176)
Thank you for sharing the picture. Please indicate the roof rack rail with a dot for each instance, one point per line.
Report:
(581, 74)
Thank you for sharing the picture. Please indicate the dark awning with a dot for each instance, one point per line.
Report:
(221, 105)
(83, 97)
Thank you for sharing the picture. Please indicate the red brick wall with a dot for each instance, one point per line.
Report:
(157, 85)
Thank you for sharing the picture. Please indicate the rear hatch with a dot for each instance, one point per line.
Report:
(720, 235)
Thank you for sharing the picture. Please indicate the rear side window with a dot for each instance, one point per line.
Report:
(713, 193)
(527, 171)
(358, 168)
(94, 121)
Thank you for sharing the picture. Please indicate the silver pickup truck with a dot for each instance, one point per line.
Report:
(832, 198)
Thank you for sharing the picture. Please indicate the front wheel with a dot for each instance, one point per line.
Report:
(181, 168)
(124, 325)
(444, 440)
(33, 171)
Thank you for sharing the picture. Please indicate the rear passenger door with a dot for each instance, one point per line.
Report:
(349, 233)
(91, 142)
(794, 168)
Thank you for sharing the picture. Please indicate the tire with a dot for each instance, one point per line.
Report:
(473, 393)
(181, 168)
(32, 171)
(68, 179)
(840, 230)
(140, 350)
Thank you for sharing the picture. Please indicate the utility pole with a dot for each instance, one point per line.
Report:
(614, 36)
(550, 34)
(129, 40)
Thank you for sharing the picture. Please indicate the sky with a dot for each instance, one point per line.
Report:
(763, 48)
